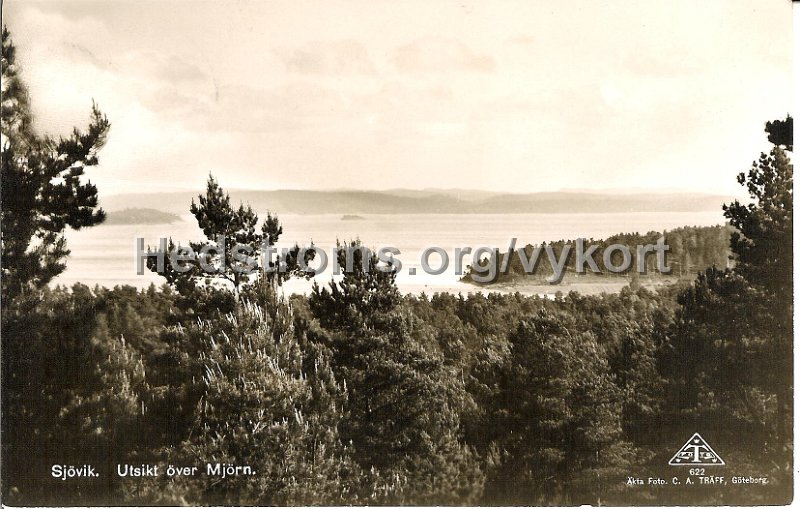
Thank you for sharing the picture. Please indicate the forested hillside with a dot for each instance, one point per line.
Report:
(692, 249)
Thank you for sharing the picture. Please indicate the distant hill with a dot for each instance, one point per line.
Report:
(140, 216)
(430, 201)
(460, 194)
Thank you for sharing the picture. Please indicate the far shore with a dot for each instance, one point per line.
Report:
(586, 285)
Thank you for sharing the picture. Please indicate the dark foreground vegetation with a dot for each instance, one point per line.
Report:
(358, 395)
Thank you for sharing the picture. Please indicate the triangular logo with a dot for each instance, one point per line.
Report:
(694, 452)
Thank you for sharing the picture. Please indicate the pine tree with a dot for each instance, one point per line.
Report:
(104, 421)
(403, 401)
(43, 191)
(238, 248)
(270, 404)
(731, 346)
(561, 438)
(763, 249)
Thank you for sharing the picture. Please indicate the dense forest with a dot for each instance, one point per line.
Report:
(692, 249)
(357, 394)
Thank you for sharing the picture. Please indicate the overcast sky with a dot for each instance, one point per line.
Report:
(510, 96)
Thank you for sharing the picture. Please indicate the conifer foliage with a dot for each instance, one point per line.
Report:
(269, 402)
(234, 250)
(43, 189)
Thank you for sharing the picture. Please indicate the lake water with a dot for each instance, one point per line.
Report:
(106, 254)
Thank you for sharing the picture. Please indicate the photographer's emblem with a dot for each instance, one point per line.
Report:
(696, 451)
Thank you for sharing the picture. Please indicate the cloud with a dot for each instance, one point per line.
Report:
(455, 95)
(436, 54)
(81, 53)
(339, 57)
(78, 10)
(174, 69)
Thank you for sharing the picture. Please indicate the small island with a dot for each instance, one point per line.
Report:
(352, 217)
(141, 216)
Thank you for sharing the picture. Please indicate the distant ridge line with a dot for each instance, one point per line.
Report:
(427, 202)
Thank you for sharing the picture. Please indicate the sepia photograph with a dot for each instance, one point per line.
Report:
(422, 253)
